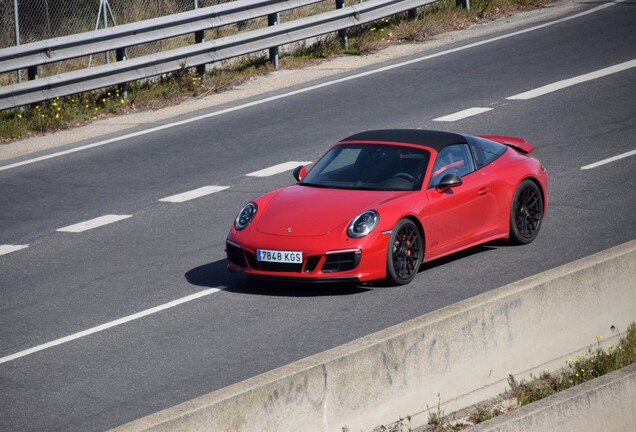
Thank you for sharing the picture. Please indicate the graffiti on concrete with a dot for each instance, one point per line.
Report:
(307, 388)
(488, 330)
(432, 354)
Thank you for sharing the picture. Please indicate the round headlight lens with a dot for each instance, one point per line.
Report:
(245, 216)
(363, 224)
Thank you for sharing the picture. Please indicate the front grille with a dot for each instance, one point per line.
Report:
(341, 262)
(235, 255)
(312, 262)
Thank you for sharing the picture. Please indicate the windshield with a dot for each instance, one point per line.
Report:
(370, 167)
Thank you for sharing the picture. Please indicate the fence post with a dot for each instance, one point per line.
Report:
(16, 24)
(342, 34)
(272, 20)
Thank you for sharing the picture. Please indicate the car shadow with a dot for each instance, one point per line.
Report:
(215, 275)
(460, 255)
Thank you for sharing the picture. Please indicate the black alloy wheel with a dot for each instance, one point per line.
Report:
(405, 253)
(526, 213)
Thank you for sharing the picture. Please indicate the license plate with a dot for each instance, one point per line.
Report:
(277, 256)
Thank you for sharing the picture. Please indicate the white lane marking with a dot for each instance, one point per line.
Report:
(559, 85)
(110, 324)
(609, 160)
(196, 193)
(311, 88)
(469, 112)
(6, 249)
(276, 169)
(93, 223)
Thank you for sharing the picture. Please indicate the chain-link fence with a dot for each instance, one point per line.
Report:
(44, 19)
(25, 21)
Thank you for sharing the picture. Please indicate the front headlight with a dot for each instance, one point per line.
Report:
(363, 224)
(245, 216)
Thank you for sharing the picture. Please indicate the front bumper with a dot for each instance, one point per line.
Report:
(364, 262)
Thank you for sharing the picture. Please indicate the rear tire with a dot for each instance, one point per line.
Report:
(404, 253)
(526, 213)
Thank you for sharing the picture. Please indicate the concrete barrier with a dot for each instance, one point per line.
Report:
(605, 404)
(461, 355)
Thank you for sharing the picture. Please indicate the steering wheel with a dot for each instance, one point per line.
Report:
(405, 176)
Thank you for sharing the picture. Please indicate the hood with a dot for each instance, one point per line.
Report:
(310, 211)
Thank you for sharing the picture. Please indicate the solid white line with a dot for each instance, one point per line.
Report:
(609, 160)
(196, 193)
(559, 85)
(93, 223)
(308, 89)
(469, 112)
(276, 169)
(110, 324)
(6, 249)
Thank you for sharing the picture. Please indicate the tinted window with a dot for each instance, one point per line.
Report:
(453, 159)
(488, 151)
(370, 167)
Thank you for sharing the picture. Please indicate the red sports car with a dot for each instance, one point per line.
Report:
(379, 203)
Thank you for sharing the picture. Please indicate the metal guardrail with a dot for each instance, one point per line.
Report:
(30, 56)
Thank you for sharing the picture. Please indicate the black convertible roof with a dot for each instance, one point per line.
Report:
(429, 138)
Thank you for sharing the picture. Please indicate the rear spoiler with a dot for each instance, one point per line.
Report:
(518, 144)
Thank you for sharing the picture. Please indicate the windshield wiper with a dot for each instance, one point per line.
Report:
(312, 185)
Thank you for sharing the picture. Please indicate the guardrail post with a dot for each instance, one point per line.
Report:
(199, 38)
(120, 54)
(342, 34)
(272, 20)
(463, 4)
(32, 73)
(412, 14)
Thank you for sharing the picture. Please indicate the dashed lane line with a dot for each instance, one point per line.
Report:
(94, 223)
(469, 112)
(110, 324)
(559, 85)
(277, 169)
(7, 249)
(193, 194)
(609, 160)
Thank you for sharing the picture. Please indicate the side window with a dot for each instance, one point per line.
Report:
(490, 150)
(455, 159)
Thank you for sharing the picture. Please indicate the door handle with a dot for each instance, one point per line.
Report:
(482, 191)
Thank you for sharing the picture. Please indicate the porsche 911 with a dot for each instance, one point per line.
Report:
(379, 203)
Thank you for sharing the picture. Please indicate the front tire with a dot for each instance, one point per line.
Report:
(526, 213)
(404, 253)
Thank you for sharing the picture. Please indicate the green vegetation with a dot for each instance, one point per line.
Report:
(597, 361)
(76, 110)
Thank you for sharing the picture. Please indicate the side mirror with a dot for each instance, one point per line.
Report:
(299, 172)
(448, 181)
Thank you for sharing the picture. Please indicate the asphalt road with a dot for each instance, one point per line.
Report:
(63, 284)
